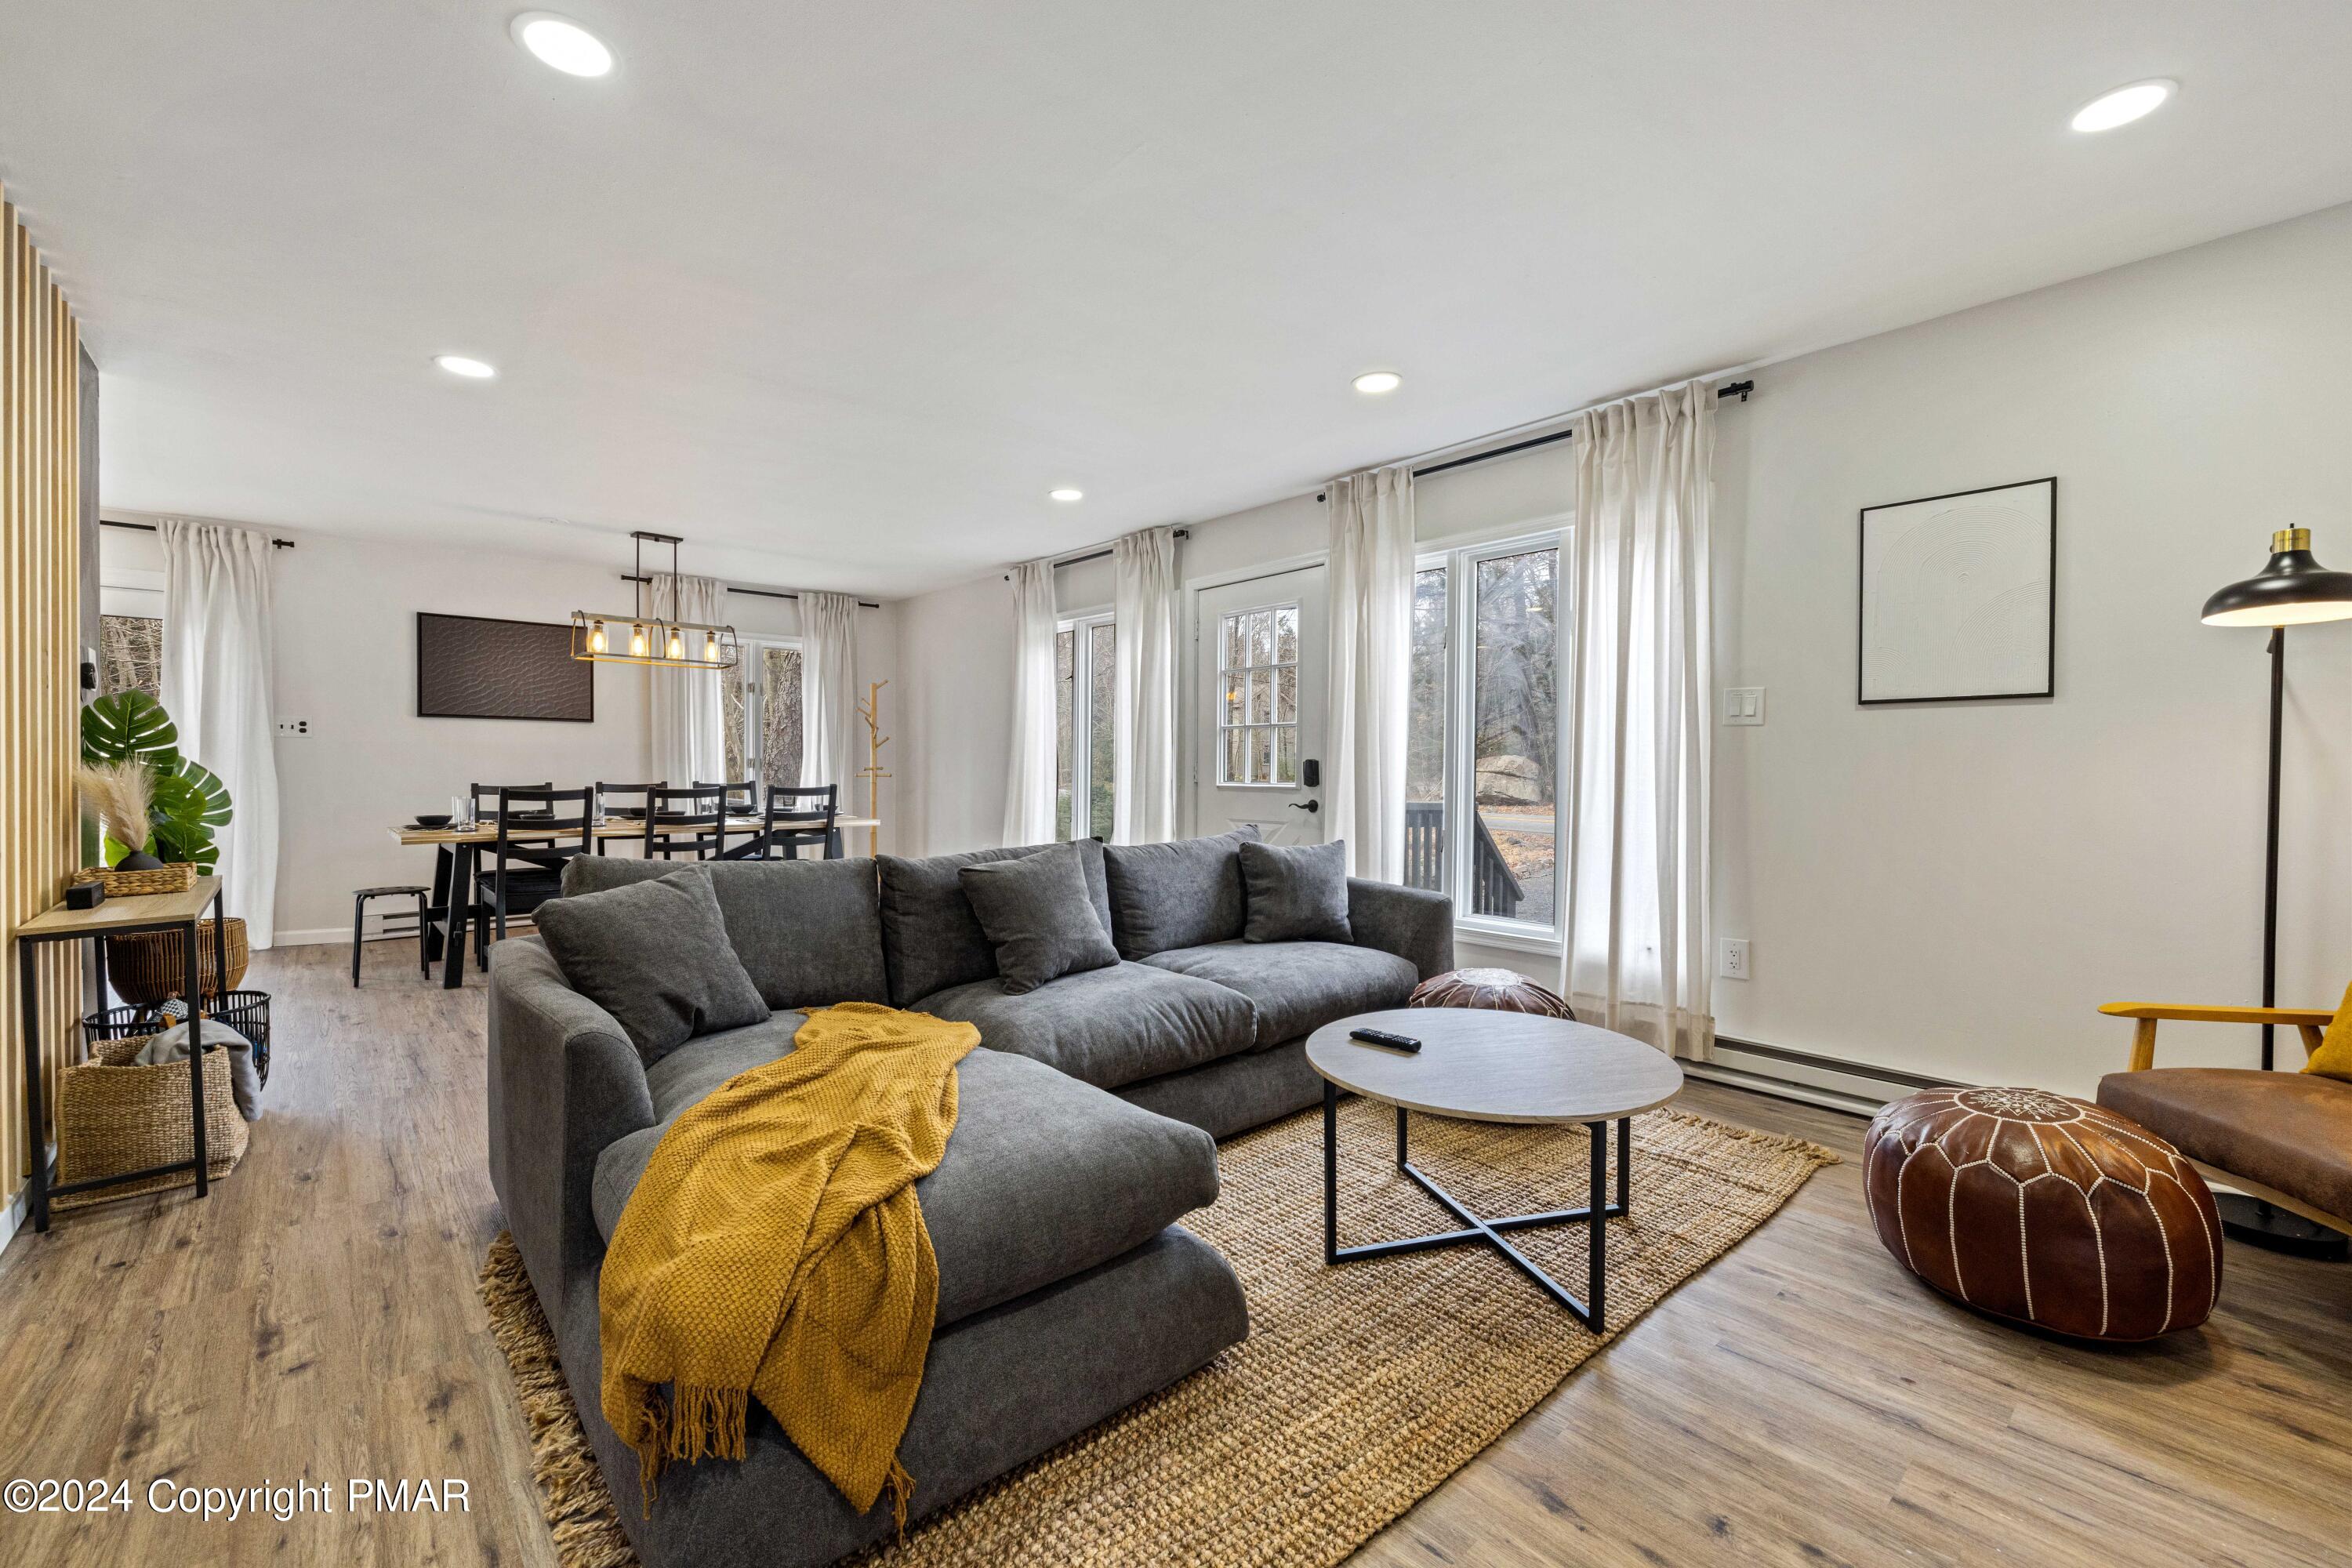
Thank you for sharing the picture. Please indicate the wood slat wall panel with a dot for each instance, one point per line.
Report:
(40, 483)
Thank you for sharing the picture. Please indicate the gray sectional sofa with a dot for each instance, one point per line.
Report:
(1067, 1288)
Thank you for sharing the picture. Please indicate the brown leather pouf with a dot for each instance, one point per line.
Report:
(1499, 990)
(2047, 1210)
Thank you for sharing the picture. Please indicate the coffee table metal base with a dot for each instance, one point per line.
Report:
(1590, 1311)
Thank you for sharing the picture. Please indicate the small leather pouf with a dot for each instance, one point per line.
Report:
(2045, 1210)
(1499, 990)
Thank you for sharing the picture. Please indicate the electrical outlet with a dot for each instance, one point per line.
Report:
(1733, 962)
(1743, 705)
(293, 726)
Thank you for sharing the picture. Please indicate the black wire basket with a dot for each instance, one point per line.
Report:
(247, 1012)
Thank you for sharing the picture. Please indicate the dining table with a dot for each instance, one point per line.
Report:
(459, 850)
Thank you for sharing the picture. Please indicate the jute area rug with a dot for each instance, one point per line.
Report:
(1359, 1387)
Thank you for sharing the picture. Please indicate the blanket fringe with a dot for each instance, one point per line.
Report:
(902, 1492)
(699, 1424)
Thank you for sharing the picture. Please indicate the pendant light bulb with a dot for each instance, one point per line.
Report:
(596, 637)
(710, 648)
(677, 646)
(637, 642)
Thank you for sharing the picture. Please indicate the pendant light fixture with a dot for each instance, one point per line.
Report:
(673, 643)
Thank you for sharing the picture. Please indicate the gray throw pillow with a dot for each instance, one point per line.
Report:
(1187, 893)
(1038, 916)
(655, 956)
(1297, 894)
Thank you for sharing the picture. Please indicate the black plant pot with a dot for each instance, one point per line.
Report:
(139, 860)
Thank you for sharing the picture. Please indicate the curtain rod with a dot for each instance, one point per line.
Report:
(1095, 554)
(755, 593)
(150, 527)
(1739, 389)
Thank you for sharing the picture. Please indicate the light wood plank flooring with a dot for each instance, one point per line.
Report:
(1801, 1402)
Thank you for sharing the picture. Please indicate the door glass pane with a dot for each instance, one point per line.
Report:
(1236, 655)
(780, 721)
(1285, 695)
(1285, 754)
(1065, 691)
(1261, 697)
(1261, 749)
(1261, 638)
(1236, 769)
(1424, 755)
(1101, 696)
(1286, 635)
(1514, 716)
(731, 709)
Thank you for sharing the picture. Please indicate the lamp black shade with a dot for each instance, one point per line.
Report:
(2294, 590)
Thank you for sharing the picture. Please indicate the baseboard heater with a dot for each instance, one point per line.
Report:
(1831, 1082)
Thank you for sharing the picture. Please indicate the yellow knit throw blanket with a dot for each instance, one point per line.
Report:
(775, 1247)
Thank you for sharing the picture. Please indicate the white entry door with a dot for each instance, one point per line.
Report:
(1258, 655)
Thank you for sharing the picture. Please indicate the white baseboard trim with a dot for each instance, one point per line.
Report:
(341, 936)
(19, 1208)
(1859, 1089)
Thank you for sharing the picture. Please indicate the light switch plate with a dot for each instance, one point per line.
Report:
(1743, 705)
(1733, 965)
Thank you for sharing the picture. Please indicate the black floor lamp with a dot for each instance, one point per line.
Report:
(2294, 590)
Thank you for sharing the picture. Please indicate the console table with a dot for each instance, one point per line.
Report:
(116, 917)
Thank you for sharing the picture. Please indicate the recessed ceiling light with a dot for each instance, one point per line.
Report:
(471, 369)
(2125, 104)
(1068, 492)
(563, 43)
(1373, 383)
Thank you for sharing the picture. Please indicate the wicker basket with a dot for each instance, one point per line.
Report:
(148, 966)
(114, 1117)
(177, 877)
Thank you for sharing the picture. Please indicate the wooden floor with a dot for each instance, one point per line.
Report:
(1801, 1402)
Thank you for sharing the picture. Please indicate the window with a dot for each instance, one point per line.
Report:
(1482, 747)
(131, 655)
(762, 706)
(1257, 718)
(1084, 695)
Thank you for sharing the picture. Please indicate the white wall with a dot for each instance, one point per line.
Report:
(1950, 889)
(346, 661)
(1955, 888)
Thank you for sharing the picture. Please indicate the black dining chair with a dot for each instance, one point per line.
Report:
(689, 822)
(799, 814)
(622, 801)
(523, 876)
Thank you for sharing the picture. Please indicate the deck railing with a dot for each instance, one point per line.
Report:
(1493, 889)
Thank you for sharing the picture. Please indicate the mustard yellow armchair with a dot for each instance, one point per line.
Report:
(2283, 1137)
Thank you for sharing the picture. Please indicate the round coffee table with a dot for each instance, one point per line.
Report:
(1478, 1066)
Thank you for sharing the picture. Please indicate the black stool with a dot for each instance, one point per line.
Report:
(359, 923)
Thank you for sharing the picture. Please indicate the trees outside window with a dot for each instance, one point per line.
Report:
(1483, 739)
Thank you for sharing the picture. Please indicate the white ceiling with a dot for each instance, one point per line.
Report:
(840, 291)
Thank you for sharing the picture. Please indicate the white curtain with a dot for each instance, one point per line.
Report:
(688, 706)
(1371, 645)
(830, 727)
(1143, 760)
(1029, 781)
(217, 686)
(1641, 673)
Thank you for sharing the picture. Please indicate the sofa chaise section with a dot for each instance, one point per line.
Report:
(1053, 1316)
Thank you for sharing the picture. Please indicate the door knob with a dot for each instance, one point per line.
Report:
(1306, 805)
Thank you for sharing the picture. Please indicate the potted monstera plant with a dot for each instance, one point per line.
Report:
(128, 739)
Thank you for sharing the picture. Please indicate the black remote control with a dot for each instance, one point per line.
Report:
(1383, 1038)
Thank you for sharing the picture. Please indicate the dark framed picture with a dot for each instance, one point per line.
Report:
(1960, 596)
(473, 667)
